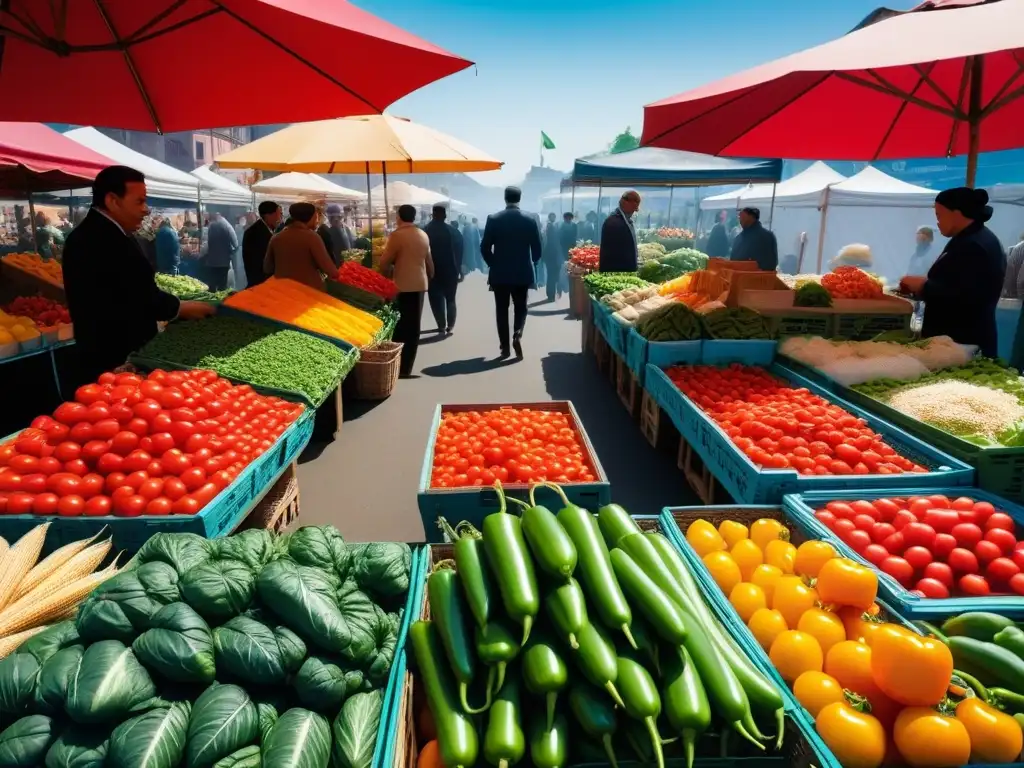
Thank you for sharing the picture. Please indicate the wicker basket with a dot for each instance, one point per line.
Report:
(376, 373)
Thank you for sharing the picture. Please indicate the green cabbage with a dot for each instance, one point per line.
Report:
(178, 645)
(79, 747)
(107, 684)
(155, 739)
(297, 598)
(300, 739)
(45, 644)
(182, 551)
(24, 743)
(323, 684)
(361, 615)
(255, 547)
(320, 546)
(224, 720)
(121, 607)
(355, 730)
(219, 589)
(382, 569)
(52, 683)
(249, 650)
(18, 674)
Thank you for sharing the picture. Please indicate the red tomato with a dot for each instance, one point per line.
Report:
(864, 522)
(66, 451)
(48, 465)
(77, 467)
(903, 518)
(121, 392)
(34, 483)
(139, 426)
(983, 510)
(30, 446)
(136, 479)
(942, 520)
(894, 544)
(64, 484)
(974, 585)
(124, 442)
(161, 423)
(45, 504)
(205, 494)
(151, 389)
(155, 469)
(114, 481)
(92, 485)
(20, 503)
(987, 551)
(193, 478)
(186, 505)
(109, 462)
(918, 535)
(898, 568)
(97, 506)
(932, 589)
(963, 561)
(222, 479)
(1002, 538)
(172, 398)
(887, 509)
(875, 554)
(881, 531)
(98, 412)
(196, 443)
(121, 413)
(919, 506)
(1001, 570)
(159, 506)
(918, 557)
(81, 433)
(181, 431)
(71, 506)
(160, 443)
(56, 433)
(70, 413)
(944, 544)
(1000, 520)
(10, 482)
(966, 535)
(827, 518)
(147, 410)
(843, 526)
(151, 488)
(1017, 584)
(92, 450)
(136, 461)
(129, 504)
(939, 572)
(23, 464)
(174, 488)
(858, 540)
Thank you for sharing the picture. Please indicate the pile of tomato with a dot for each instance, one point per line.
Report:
(932, 545)
(780, 427)
(585, 256)
(129, 445)
(42, 311)
(513, 445)
(851, 283)
(368, 280)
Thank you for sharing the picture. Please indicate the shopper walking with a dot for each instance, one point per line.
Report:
(618, 251)
(168, 248)
(220, 245)
(552, 259)
(407, 257)
(459, 243)
(447, 263)
(256, 239)
(510, 247)
(754, 242)
(567, 235)
(718, 238)
(298, 252)
(471, 246)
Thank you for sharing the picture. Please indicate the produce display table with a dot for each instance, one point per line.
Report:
(17, 282)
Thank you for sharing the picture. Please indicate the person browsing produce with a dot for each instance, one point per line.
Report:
(111, 289)
(256, 240)
(618, 236)
(962, 288)
(407, 253)
(754, 242)
(297, 252)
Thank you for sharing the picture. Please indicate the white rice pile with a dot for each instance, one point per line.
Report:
(960, 408)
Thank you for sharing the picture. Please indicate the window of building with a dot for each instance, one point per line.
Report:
(200, 150)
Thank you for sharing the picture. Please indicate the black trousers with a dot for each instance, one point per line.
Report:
(502, 295)
(217, 278)
(407, 331)
(441, 295)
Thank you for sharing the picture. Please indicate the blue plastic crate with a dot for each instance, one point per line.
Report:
(616, 334)
(749, 484)
(473, 504)
(719, 604)
(748, 352)
(218, 518)
(801, 508)
(667, 353)
(636, 354)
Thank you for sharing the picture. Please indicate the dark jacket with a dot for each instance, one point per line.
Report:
(221, 243)
(459, 243)
(339, 242)
(567, 237)
(618, 244)
(325, 234)
(510, 247)
(254, 251)
(168, 250)
(552, 247)
(718, 241)
(755, 243)
(963, 288)
(111, 293)
(442, 251)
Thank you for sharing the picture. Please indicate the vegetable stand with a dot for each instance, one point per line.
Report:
(473, 503)
(748, 483)
(801, 509)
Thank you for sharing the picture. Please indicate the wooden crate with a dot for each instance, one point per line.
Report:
(628, 388)
(656, 427)
(698, 476)
(602, 352)
(279, 507)
(587, 333)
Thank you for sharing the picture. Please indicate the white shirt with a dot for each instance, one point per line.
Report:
(108, 217)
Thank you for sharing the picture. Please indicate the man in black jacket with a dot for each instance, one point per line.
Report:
(754, 242)
(618, 236)
(256, 239)
(111, 288)
(447, 268)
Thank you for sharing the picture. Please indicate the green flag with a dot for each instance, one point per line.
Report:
(545, 141)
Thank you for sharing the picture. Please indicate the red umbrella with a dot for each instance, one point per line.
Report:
(943, 79)
(180, 65)
(36, 158)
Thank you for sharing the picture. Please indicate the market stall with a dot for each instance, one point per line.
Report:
(294, 186)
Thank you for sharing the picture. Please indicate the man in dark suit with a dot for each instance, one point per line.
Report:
(459, 241)
(111, 288)
(447, 269)
(256, 239)
(618, 236)
(511, 247)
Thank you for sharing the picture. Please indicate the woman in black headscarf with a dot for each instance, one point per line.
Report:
(963, 285)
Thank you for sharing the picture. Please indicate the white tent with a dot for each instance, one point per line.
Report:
(403, 193)
(304, 186)
(807, 184)
(209, 178)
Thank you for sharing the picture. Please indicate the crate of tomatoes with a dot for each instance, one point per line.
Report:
(870, 688)
(472, 446)
(766, 432)
(174, 451)
(939, 551)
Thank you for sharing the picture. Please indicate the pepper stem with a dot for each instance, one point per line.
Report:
(467, 530)
(573, 643)
(447, 530)
(742, 731)
(527, 626)
(518, 502)
(780, 723)
(629, 637)
(751, 726)
(652, 729)
(614, 693)
(500, 675)
(463, 690)
(557, 489)
(502, 507)
(609, 749)
(444, 565)
(689, 738)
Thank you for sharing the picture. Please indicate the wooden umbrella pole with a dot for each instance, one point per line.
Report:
(368, 260)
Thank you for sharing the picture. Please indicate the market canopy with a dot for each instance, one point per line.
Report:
(322, 60)
(365, 144)
(36, 158)
(304, 186)
(871, 186)
(404, 193)
(210, 178)
(810, 181)
(911, 85)
(651, 166)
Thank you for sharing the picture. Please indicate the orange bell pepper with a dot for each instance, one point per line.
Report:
(844, 582)
(912, 670)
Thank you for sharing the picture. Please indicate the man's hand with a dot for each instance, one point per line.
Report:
(913, 284)
(195, 310)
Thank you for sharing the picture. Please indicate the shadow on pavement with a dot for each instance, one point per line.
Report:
(461, 367)
(548, 312)
(643, 480)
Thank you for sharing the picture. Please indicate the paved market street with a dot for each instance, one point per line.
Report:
(365, 482)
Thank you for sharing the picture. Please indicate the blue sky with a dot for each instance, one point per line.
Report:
(581, 70)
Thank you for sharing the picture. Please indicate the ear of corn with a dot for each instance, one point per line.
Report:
(32, 613)
(10, 644)
(48, 565)
(78, 566)
(18, 561)
(4, 546)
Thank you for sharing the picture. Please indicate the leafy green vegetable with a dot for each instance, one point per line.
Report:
(246, 757)
(155, 739)
(219, 589)
(79, 747)
(250, 650)
(300, 739)
(182, 551)
(320, 546)
(322, 684)
(812, 295)
(224, 720)
(382, 568)
(121, 607)
(52, 639)
(18, 674)
(51, 689)
(178, 645)
(180, 285)
(254, 546)
(355, 730)
(301, 600)
(25, 742)
(107, 684)
(600, 284)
